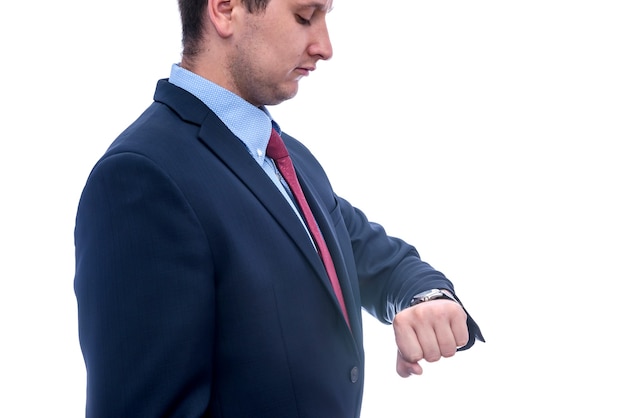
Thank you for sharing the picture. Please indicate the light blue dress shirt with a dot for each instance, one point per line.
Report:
(251, 124)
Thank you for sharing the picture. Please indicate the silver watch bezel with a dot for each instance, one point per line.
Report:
(432, 294)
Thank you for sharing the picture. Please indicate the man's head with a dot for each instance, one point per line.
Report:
(258, 49)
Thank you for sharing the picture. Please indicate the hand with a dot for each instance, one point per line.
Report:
(428, 331)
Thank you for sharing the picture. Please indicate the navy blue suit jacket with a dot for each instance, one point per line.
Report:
(199, 292)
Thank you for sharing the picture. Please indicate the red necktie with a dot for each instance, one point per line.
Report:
(277, 151)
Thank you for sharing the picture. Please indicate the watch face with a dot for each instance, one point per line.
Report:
(426, 296)
(431, 294)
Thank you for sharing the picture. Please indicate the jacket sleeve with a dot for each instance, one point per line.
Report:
(391, 271)
(144, 292)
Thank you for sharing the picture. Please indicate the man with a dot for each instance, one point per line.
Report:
(203, 287)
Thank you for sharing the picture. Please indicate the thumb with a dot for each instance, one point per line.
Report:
(405, 368)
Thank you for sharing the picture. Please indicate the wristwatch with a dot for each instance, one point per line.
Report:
(432, 295)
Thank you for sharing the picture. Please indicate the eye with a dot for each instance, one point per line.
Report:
(302, 20)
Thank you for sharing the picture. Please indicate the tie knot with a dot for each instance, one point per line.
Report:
(276, 147)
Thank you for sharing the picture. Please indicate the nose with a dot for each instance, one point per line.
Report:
(320, 45)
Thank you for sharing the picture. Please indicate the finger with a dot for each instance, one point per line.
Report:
(429, 343)
(460, 331)
(446, 341)
(405, 368)
(407, 341)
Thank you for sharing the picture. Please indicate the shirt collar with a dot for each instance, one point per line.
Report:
(251, 124)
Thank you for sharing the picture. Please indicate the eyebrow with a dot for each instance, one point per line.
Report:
(321, 5)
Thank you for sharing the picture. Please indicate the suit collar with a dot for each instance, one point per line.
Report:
(188, 107)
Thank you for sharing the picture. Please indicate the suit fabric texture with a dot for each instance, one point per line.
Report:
(199, 292)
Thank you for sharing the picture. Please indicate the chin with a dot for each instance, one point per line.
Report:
(291, 93)
(281, 96)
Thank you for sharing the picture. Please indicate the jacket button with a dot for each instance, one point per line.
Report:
(354, 374)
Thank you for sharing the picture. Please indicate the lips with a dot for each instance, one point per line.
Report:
(305, 71)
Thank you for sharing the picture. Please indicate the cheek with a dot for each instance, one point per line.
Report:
(286, 42)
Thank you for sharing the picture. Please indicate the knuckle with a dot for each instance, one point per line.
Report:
(432, 356)
(462, 343)
(414, 356)
(448, 352)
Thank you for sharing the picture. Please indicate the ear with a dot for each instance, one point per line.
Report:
(220, 13)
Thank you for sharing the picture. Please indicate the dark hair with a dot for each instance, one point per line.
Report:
(192, 14)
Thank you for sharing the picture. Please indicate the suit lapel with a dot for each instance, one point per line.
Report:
(231, 151)
(326, 226)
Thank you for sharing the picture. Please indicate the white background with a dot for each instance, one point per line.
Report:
(490, 134)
